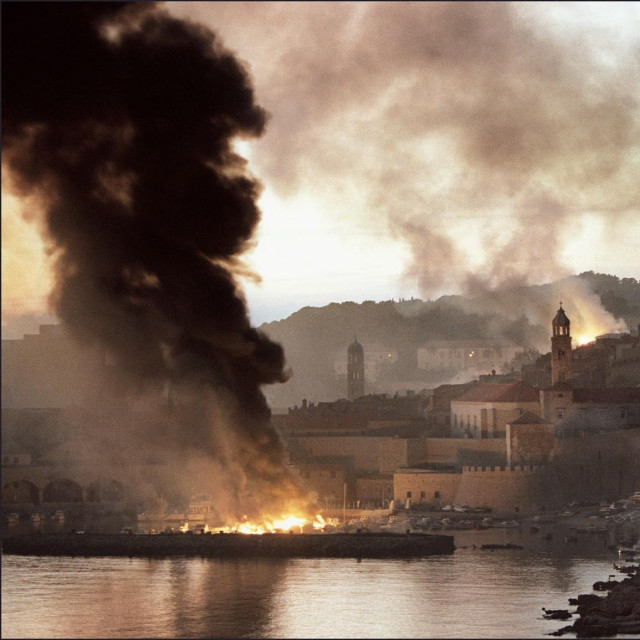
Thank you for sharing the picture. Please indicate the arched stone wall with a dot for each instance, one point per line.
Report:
(18, 491)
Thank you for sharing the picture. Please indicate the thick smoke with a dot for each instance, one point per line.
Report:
(476, 132)
(121, 120)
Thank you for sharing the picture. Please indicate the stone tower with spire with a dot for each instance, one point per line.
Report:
(355, 370)
(561, 360)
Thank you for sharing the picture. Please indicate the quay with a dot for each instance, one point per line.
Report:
(232, 545)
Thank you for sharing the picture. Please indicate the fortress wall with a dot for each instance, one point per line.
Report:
(379, 454)
(524, 489)
(446, 450)
(600, 466)
(427, 483)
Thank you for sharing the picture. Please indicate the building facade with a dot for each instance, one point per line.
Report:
(473, 356)
(485, 410)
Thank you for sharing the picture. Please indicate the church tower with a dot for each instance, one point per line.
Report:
(561, 364)
(355, 370)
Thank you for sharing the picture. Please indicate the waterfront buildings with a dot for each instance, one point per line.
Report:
(495, 442)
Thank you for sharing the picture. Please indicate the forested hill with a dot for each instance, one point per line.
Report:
(312, 336)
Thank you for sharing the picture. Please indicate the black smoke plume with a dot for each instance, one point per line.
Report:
(121, 119)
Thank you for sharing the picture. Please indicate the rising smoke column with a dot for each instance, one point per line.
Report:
(121, 120)
(481, 134)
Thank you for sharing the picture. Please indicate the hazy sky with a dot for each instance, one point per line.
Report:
(420, 149)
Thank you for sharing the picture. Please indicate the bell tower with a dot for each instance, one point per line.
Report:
(355, 370)
(561, 359)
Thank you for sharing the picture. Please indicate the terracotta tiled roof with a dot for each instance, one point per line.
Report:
(529, 418)
(616, 395)
(518, 391)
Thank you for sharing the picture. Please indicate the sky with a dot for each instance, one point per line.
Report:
(416, 149)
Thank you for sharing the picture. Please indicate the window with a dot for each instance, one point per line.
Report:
(436, 494)
(423, 494)
(560, 413)
(408, 494)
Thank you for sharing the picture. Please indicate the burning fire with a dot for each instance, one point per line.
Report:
(284, 524)
(584, 339)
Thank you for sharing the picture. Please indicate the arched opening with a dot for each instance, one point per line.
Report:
(20, 491)
(62, 491)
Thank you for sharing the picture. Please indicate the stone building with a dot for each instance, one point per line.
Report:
(580, 411)
(483, 412)
(355, 370)
(529, 440)
(379, 361)
(472, 356)
(374, 490)
(371, 454)
(561, 356)
(326, 477)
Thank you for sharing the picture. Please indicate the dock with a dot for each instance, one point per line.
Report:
(232, 545)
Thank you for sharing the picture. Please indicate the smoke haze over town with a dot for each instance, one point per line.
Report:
(355, 151)
(419, 149)
(298, 290)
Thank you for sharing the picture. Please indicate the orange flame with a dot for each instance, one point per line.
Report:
(285, 523)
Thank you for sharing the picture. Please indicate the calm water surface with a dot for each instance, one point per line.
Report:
(473, 593)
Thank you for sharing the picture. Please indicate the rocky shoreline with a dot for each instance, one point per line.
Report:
(606, 616)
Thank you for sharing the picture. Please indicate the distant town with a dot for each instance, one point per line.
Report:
(563, 429)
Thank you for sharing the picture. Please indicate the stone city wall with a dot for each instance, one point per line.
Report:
(425, 487)
(447, 450)
(371, 454)
(520, 489)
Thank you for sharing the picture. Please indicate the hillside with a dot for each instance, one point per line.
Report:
(311, 337)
